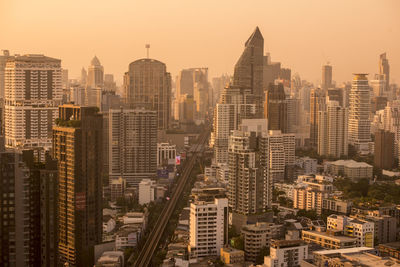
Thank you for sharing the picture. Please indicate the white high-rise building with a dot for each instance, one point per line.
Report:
(146, 191)
(249, 185)
(235, 104)
(132, 144)
(208, 227)
(332, 131)
(33, 92)
(281, 154)
(257, 158)
(359, 108)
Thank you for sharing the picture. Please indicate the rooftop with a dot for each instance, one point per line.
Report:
(392, 245)
(341, 238)
(35, 58)
(350, 163)
(286, 243)
(344, 250)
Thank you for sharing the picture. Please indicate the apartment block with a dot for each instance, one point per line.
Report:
(208, 228)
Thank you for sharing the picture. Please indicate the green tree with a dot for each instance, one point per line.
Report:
(237, 242)
(311, 214)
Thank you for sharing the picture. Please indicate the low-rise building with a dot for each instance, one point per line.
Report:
(108, 224)
(349, 257)
(331, 239)
(146, 191)
(360, 229)
(351, 169)
(232, 256)
(117, 188)
(337, 205)
(111, 259)
(166, 154)
(391, 249)
(385, 227)
(150, 191)
(286, 188)
(259, 235)
(309, 165)
(286, 253)
(136, 218)
(127, 237)
(310, 191)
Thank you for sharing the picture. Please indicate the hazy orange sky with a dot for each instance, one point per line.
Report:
(302, 35)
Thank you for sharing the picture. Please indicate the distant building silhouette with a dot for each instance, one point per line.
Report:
(317, 104)
(248, 71)
(148, 84)
(275, 108)
(326, 77)
(384, 150)
(384, 70)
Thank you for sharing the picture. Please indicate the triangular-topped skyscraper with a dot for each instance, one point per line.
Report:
(249, 68)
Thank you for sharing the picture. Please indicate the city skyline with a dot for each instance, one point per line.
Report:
(173, 31)
(179, 133)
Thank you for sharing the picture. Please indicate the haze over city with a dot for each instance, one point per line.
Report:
(303, 35)
(199, 133)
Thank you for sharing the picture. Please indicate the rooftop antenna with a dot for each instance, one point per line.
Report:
(148, 48)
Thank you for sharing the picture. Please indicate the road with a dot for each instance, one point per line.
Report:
(153, 239)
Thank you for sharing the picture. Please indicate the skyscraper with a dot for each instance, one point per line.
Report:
(326, 77)
(317, 104)
(109, 83)
(132, 144)
(235, 105)
(194, 82)
(32, 93)
(148, 84)
(218, 84)
(281, 149)
(359, 109)
(248, 71)
(332, 130)
(94, 83)
(384, 70)
(43, 201)
(249, 184)
(3, 61)
(77, 141)
(185, 109)
(257, 159)
(384, 150)
(184, 82)
(17, 242)
(201, 92)
(275, 108)
(95, 74)
(83, 77)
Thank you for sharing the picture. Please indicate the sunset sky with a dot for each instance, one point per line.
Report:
(302, 35)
